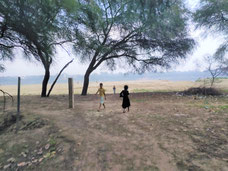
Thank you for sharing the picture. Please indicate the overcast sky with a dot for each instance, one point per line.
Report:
(21, 67)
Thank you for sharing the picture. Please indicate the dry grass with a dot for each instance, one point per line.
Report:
(134, 86)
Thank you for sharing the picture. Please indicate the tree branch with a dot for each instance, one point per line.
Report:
(61, 42)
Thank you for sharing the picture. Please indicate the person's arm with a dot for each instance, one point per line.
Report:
(97, 92)
(121, 94)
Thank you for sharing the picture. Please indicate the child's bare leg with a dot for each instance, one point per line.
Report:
(123, 110)
(128, 109)
(99, 108)
(104, 105)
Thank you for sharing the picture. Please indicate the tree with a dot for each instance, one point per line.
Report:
(143, 35)
(215, 67)
(6, 44)
(39, 26)
(213, 15)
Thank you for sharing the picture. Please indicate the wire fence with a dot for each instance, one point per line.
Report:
(4, 100)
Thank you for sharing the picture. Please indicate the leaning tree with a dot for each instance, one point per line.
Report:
(143, 35)
(213, 15)
(40, 25)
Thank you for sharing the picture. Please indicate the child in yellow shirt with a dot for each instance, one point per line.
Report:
(102, 94)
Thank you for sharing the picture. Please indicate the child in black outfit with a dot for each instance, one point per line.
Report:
(126, 101)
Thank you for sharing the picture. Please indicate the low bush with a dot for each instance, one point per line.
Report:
(202, 91)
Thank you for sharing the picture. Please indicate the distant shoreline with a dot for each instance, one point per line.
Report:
(108, 77)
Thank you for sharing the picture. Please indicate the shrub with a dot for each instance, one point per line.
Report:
(202, 91)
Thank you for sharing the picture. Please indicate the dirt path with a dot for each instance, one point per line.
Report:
(154, 135)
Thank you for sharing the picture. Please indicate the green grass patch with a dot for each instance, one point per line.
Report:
(224, 107)
(208, 80)
(52, 141)
(214, 108)
(149, 91)
(141, 90)
(225, 90)
(207, 106)
(53, 144)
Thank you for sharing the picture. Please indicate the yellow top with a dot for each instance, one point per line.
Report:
(101, 92)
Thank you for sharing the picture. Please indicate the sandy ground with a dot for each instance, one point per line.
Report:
(134, 86)
(162, 131)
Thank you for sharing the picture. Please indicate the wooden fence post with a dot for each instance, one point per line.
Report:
(71, 92)
(18, 102)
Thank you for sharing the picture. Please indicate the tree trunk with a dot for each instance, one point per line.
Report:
(53, 84)
(45, 82)
(86, 81)
(212, 81)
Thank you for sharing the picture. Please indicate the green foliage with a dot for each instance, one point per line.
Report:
(213, 15)
(145, 35)
(224, 107)
(52, 141)
(152, 33)
(2, 68)
(37, 27)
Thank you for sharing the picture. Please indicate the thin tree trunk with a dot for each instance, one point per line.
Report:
(86, 81)
(89, 70)
(53, 84)
(212, 81)
(45, 82)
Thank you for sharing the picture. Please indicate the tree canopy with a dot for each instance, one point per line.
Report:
(144, 35)
(37, 26)
(7, 42)
(139, 34)
(213, 15)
